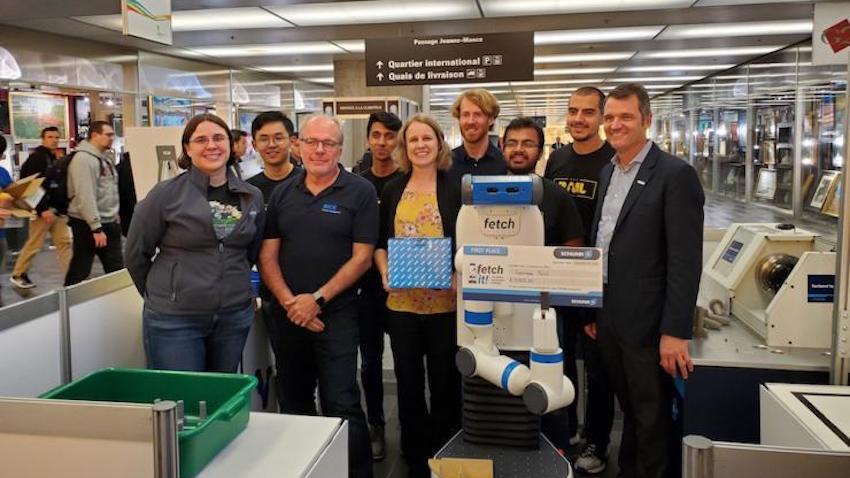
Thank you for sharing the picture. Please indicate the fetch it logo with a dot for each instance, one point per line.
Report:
(500, 226)
(480, 273)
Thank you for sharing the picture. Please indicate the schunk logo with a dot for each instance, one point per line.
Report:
(500, 225)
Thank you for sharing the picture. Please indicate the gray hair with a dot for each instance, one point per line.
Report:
(321, 117)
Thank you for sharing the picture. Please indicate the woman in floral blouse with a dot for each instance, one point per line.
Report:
(421, 322)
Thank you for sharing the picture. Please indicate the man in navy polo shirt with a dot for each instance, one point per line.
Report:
(476, 112)
(321, 231)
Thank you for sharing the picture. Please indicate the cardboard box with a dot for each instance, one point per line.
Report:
(416, 262)
(460, 468)
(26, 193)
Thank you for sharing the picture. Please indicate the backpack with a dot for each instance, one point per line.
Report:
(56, 184)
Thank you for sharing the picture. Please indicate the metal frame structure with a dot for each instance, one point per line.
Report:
(840, 371)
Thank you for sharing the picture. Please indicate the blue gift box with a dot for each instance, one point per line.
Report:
(420, 262)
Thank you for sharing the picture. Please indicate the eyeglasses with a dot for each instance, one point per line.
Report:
(205, 140)
(513, 144)
(314, 143)
(264, 141)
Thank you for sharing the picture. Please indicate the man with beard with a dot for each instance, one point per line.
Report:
(476, 111)
(576, 168)
(523, 143)
(381, 130)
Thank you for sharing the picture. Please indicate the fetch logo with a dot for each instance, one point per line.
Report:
(500, 226)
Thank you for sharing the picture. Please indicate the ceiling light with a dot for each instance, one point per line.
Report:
(324, 79)
(582, 57)
(297, 68)
(375, 11)
(274, 49)
(713, 30)
(708, 52)
(649, 68)
(573, 71)
(225, 19)
(462, 86)
(352, 46)
(571, 81)
(456, 93)
(596, 35)
(653, 78)
(505, 8)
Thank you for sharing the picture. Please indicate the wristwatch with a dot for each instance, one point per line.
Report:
(319, 298)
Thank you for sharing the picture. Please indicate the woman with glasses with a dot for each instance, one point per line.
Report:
(190, 249)
(424, 202)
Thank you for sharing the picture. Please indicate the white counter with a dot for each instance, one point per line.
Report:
(284, 446)
(806, 416)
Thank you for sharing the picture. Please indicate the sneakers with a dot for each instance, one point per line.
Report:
(590, 461)
(379, 444)
(22, 282)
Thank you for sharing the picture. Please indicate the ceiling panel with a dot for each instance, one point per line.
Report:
(376, 11)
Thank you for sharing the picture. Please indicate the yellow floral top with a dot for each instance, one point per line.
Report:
(417, 215)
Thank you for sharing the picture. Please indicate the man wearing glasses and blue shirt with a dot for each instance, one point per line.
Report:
(321, 231)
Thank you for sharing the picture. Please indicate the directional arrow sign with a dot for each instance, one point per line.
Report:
(379, 64)
(380, 77)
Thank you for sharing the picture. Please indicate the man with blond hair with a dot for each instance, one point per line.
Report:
(476, 112)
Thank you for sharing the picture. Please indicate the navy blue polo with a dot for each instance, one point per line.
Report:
(492, 163)
(317, 232)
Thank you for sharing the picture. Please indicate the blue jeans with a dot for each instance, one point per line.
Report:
(199, 343)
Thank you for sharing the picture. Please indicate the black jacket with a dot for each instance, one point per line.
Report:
(448, 202)
(37, 163)
(655, 254)
(193, 272)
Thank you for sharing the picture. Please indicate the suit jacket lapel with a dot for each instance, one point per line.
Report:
(641, 181)
(604, 181)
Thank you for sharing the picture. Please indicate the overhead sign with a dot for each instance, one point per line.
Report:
(831, 34)
(450, 59)
(147, 19)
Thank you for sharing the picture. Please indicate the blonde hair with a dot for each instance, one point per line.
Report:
(444, 153)
(481, 98)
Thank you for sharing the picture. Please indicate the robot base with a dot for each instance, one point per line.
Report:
(544, 462)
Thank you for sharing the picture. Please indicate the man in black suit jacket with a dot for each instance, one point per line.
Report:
(649, 225)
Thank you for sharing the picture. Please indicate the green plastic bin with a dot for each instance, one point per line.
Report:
(228, 398)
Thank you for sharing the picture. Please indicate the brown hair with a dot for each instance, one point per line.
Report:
(481, 98)
(185, 162)
(627, 90)
(444, 154)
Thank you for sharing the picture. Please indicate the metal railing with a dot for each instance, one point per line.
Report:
(703, 458)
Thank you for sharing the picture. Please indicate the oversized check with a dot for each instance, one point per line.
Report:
(571, 275)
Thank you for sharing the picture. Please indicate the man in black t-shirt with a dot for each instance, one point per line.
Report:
(576, 167)
(272, 132)
(523, 143)
(381, 134)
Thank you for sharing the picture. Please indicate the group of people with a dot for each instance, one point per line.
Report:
(319, 236)
(81, 213)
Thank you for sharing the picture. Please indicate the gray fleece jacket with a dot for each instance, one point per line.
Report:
(92, 186)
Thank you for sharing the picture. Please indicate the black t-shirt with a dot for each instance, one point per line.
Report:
(492, 163)
(371, 281)
(560, 216)
(225, 208)
(579, 175)
(317, 232)
(266, 184)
